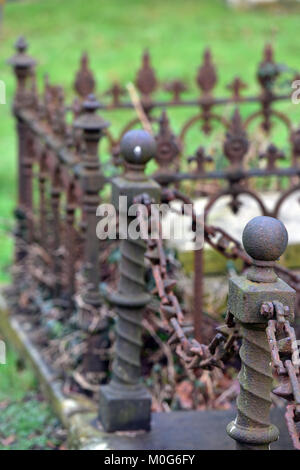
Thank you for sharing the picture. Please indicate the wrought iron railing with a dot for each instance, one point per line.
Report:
(60, 185)
(46, 114)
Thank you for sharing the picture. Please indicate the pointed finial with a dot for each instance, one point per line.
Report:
(206, 76)
(146, 81)
(21, 60)
(21, 44)
(22, 64)
(268, 70)
(268, 53)
(84, 83)
(89, 120)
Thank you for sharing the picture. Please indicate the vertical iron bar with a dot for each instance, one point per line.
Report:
(198, 294)
(56, 232)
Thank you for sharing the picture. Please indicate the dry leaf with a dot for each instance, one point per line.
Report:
(63, 447)
(8, 440)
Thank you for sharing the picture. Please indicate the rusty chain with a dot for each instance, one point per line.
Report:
(195, 355)
(285, 361)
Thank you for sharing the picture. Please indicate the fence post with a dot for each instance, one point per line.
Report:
(124, 403)
(264, 239)
(92, 126)
(22, 65)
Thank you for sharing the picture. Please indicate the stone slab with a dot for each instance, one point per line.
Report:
(192, 430)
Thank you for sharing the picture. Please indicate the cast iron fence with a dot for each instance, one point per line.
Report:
(60, 181)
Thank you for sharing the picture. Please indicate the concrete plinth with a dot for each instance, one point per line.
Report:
(124, 409)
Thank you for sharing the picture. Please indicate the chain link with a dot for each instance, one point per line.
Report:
(195, 355)
(285, 360)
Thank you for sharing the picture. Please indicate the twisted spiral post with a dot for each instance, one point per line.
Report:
(124, 403)
(250, 301)
(252, 428)
(127, 365)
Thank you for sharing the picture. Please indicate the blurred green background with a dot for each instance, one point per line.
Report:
(115, 32)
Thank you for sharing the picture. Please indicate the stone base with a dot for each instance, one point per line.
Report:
(123, 409)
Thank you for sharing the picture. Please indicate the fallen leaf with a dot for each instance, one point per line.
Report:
(8, 440)
(4, 404)
(63, 447)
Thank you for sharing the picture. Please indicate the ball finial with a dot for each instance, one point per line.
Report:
(265, 238)
(137, 147)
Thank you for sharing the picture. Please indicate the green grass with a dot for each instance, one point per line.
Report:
(26, 421)
(115, 32)
(16, 380)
